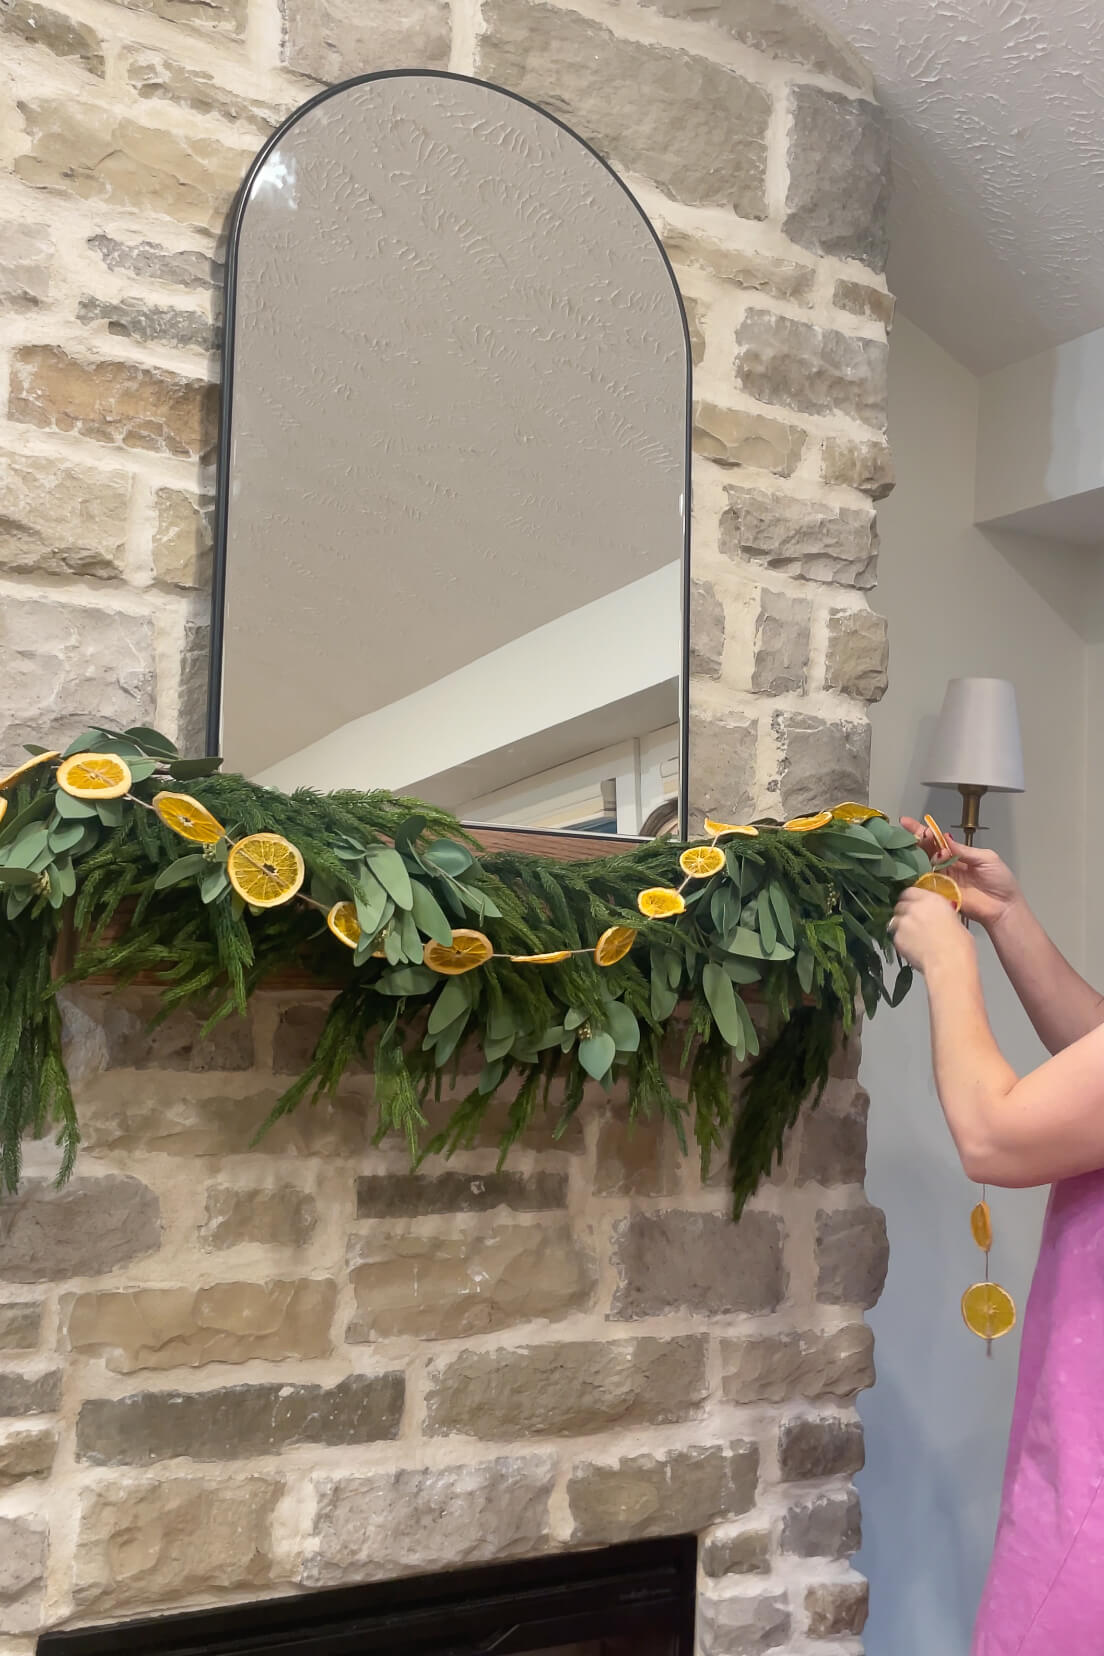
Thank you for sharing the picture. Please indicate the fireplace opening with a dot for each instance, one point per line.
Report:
(635, 1600)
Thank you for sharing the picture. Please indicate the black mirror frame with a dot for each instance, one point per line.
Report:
(226, 414)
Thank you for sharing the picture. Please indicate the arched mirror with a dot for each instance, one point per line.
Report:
(453, 503)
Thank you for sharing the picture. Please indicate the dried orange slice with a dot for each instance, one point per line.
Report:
(719, 828)
(188, 818)
(265, 870)
(613, 945)
(660, 901)
(342, 921)
(94, 776)
(849, 811)
(698, 862)
(808, 824)
(468, 950)
(552, 959)
(988, 1311)
(942, 844)
(943, 886)
(25, 769)
(981, 1224)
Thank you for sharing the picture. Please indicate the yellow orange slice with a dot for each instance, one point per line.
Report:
(981, 1225)
(943, 886)
(660, 901)
(25, 769)
(552, 959)
(698, 862)
(988, 1311)
(469, 949)
(808, 824)
(719, 828)
(3, 808)
(941, 842)
(265, 870)
(849, 811)
(613, 945)
(342, 921)
(94, 776)
(188, 818)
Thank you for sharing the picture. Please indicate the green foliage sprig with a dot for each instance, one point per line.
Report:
(795, 920)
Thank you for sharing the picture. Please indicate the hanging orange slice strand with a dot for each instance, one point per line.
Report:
(981, 1225)
(468, 950)
(551, 959)
(265, 870)
(188, 818)
(698, 862)
(849, 811)
(942, 844)
(25, 769)
(613, 945)
(808, 824)
(658, 902)
(342, 921)
(988, 1310)
(718, 829)
(94, 776)
(943, 886)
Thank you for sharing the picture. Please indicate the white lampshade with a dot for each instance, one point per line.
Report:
(977, 739)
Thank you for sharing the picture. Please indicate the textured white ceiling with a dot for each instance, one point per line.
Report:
(997, 109)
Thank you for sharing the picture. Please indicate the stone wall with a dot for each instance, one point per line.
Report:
(227, 1371)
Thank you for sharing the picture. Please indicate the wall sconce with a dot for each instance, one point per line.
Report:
(976, 747)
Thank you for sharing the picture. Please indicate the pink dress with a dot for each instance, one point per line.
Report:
(1045, 1592)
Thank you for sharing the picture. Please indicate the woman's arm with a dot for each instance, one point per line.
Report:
(1061, 1005)
(1047, 1126)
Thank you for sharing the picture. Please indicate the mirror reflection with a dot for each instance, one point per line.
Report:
(455, 487)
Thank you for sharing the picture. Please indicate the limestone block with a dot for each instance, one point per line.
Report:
(852, 1256)
(821, 763)
(297, 1034)
(833, 1139)
(236, 1422)
(825, 1447)
(218, 16)
(775, 27)
(639, 1158)
(697, 1262)
(141, 1544)
(824, 1526)
(450, 1287)
(179, 268)
(642, 1495)
(26, 1454)
(20, 1325)
(130, 318)
(67, 666)
(781, 643)
(23, 1544)
(771, 1368)
(837, 1609)
(748, 1553)
(26, 265)
(694, 309)
(815, 370)
(191, 719)
(183, 539)
(118, 403)
(723, 760)
(153, 75)
(330, 40)
(414, 1521)
(176, 1044)
(229, 1322)
(29, 1394)
(778, 278)
(61, 519)
(744, 1625)
(410, 1195)
(177, 1122)
(839, 190)
(807, 538)
(707, 630)
(281, 1216)
(86, 1229)
(858, 654)
(733, 437)
(98, 155)
(694, 128)
(567, 1390)
(861, 300)
(51, 29)
(866, 465)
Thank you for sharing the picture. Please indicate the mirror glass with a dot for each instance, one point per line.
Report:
(453, 492)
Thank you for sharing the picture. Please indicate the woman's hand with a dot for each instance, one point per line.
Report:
(988, 886)
(926, 930)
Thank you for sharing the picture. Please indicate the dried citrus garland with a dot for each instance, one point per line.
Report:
(543, 968)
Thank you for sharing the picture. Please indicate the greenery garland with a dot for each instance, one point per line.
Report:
(796, 914)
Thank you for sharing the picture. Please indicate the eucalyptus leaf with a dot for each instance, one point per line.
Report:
(152, 742)
(392, 874)
(806, 966)
(66, 836)
(407, 980)
(490, 1076)
(17, 878)
(110, 812)
(56, 893)
(142, 769)
(429, 916)
(724, 909)
(183, 868)
(742, 971)
(664, 999)
(67, 875)
(574, 1018)
(31, 843)
(214, 885)
(393, 948)
(449, 856)
(743, 941)
(501, 1023)
(622, 1025)
(597, 1053)
(408, 832)
(190, 770)
(902, 986)
(454, 999)
(74, 810)
(721, 998)
(36, 811)
(783, 914)
(768, 930)
(371, 901)
(751, 1034)
(18, 900)
(448, 1040)
(89, 741)
(410, 938)
(497, 1046)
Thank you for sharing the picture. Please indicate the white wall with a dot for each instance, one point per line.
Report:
(960, 600)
